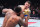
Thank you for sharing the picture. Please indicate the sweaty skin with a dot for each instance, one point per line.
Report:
(9, 13)
(27, 12)
(14, 20)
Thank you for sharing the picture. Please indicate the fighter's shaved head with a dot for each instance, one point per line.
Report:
(17, 9)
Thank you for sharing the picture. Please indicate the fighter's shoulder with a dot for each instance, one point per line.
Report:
(14, 16)
(10, 9)
(19, 18)
(11, 18)
(20, 5)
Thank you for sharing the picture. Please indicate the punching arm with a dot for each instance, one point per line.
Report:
(21, 22)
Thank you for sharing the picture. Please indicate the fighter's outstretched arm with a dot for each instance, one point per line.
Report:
(5, 10)
(21, 22)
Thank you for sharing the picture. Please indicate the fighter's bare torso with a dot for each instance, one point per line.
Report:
(8, 22)
(8, 14)
(12, 21)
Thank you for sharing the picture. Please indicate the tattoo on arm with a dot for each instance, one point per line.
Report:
(21, 22)
(8, 15)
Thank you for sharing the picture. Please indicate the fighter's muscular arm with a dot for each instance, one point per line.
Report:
(4, 22)
(21, 22)
(5, 10)
(6, 19)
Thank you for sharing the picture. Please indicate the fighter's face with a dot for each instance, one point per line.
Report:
(27, 5)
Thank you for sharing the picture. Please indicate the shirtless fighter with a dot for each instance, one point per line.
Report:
(25, 6)
(11, 18)
(25, 9)
(8, 13)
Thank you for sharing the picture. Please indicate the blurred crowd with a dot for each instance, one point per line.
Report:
(35, 12)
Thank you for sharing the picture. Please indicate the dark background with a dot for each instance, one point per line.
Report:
(13, 3)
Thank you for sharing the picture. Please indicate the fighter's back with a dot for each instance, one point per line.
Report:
(13, 20)
(9, 13)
